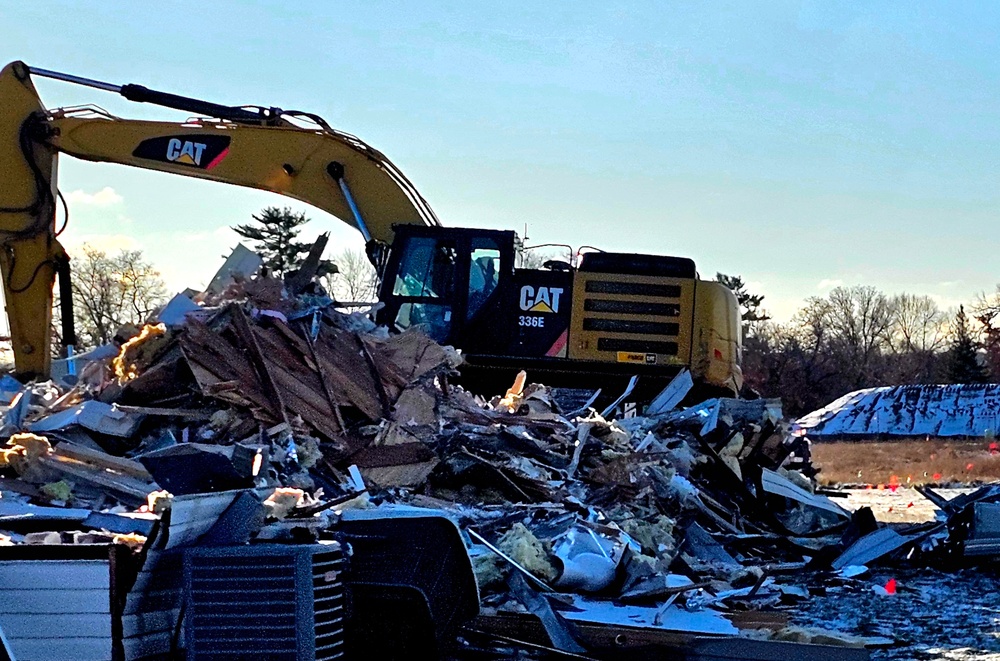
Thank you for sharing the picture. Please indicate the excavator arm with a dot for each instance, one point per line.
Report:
(267, 149)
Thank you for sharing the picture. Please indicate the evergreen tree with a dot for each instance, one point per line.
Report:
(750, 304)
(275, 237)
(963, 358)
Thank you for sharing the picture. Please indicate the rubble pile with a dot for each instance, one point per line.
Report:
(696, 520)
(235, 396)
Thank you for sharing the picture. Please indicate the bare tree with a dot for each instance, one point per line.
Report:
(918, 324)
(857, 337)
(110, 291)
(834, 344)
(860, 318)
(355, 280)
(987, 312)
(917, 339)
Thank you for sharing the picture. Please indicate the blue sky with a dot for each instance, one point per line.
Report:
(798, 144)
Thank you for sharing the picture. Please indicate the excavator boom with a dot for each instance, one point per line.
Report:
(308, 165)
(267, 149)
(29, 252)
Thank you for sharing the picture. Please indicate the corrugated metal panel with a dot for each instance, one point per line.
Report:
(152, 606)
(52, 610)
(936, 410)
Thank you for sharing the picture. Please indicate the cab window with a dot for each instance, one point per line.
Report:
(434, 319)
(484, 273)
(426, 272)
(427, 269)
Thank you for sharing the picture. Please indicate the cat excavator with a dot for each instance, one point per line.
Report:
(593, 318)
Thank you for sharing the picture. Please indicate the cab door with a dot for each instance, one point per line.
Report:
(452, 283)
(420, 290)
(490, 268)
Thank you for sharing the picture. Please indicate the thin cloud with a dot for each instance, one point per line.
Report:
(947, 303)
(224, 233)
(827, 283)
(110, 243)
(105, 197)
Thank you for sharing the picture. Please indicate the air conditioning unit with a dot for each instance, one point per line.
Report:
(269, 601)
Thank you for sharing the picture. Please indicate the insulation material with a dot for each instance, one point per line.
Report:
(23, 449)
(524, 548)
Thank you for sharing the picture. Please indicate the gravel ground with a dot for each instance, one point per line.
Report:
(933, 615)
(952, 616)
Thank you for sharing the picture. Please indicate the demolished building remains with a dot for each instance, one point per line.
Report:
(256, 474)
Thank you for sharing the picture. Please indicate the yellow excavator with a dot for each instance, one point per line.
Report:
(596, 317)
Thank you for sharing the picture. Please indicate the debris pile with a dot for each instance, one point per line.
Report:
(908, 411)
(688, 521)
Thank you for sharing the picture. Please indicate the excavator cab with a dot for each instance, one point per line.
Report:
(454, 284)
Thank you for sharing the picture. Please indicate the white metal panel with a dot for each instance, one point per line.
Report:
(48, 574)
(52, 610)
(62, 649)
(192, 516)
(33, 625)
(54, 601)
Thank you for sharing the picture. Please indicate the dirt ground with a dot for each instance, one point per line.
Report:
(907, 462)
(893, 504)
(934, 615)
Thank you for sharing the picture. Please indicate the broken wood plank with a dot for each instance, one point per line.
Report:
(103, 460)
(127, 489)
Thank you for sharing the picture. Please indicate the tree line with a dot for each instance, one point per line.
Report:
(115, 290)
(860, 337)
(854, 337)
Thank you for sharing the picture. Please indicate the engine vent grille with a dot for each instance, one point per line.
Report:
(328, 601)
(631, 318)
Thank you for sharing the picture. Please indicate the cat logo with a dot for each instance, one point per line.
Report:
(186, 152)
(197, 151)
(545, 299)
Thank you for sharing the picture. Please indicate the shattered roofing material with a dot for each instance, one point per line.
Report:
(952, 410)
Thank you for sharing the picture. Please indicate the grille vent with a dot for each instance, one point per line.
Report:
(647, 326)
(281, 603)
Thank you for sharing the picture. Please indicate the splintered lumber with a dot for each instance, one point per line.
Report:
(267, 367)
(103, 460)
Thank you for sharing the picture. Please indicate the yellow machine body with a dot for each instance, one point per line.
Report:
(629, 318)
(657, 321)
